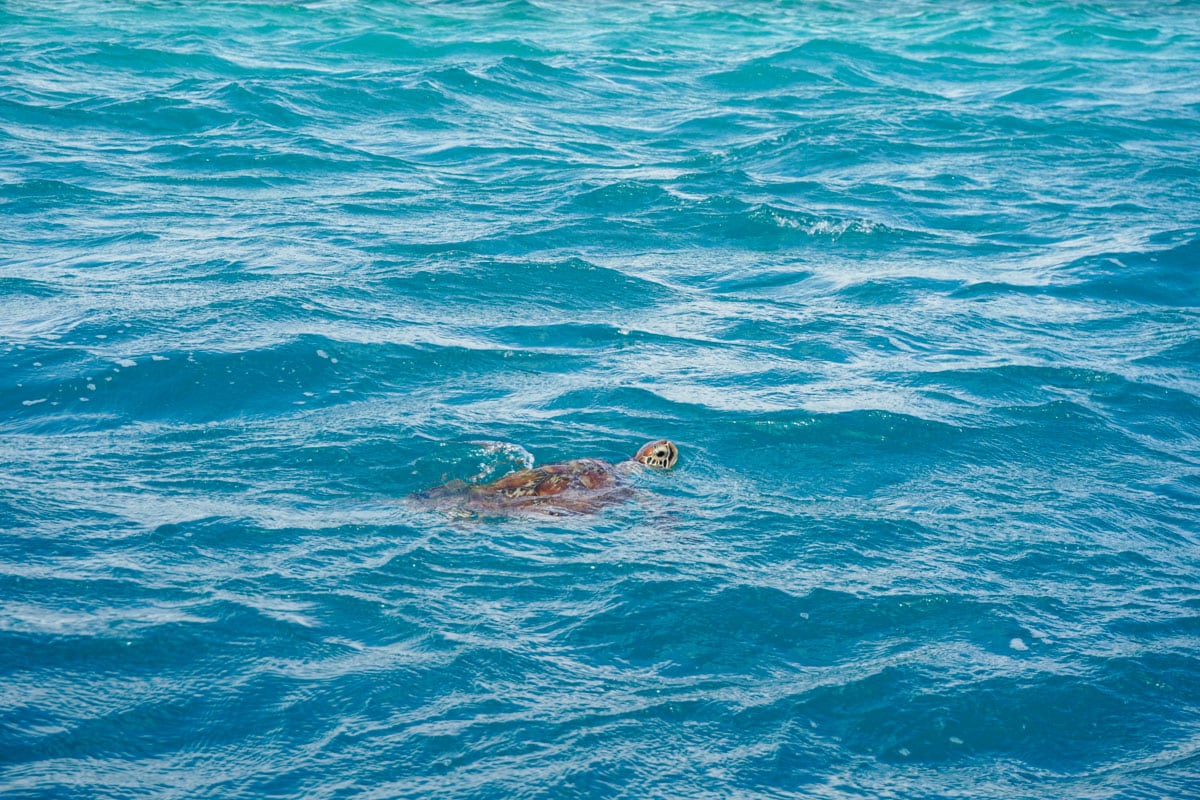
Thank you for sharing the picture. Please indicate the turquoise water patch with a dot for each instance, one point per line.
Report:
(912, 287)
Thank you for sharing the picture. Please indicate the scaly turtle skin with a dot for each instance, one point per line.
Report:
(570, 487)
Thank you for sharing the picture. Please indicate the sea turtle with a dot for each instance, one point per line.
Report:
(581, 486)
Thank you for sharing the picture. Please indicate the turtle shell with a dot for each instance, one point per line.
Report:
(584, 474)
(581, 486)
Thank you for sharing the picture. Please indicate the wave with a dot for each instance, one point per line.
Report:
(912, 290)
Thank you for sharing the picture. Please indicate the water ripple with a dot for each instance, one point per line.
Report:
(912, 288)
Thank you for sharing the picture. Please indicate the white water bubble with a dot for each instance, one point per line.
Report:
(91, 387)
(157, 357)
(955, 740)
(1017, 643)
(126, 362)
(322, 354)
(33, 402)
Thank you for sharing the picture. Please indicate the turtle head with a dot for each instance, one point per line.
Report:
(660, 455)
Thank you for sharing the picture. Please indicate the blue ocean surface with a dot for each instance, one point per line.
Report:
(914, 286)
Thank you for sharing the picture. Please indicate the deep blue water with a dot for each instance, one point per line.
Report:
(914, 286)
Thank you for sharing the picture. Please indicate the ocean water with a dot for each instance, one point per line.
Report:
(914, 286)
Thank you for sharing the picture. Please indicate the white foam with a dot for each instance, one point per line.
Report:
(33, 402)
(1017, 643)
(126, 362)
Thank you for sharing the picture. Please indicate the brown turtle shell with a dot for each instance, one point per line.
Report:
(581, 486)
(584, 474)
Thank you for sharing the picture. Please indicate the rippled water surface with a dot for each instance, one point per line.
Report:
(915, 288)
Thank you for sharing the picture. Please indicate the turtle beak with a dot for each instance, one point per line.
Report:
(661, 454)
